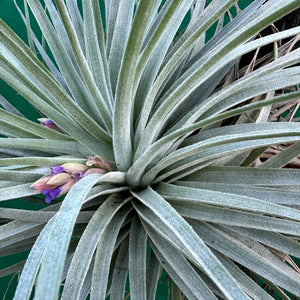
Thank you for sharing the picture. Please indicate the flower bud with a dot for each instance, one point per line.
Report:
(66, 187)
(46, 122)
(94, 171)
(41, 184)
(77, 175)
(59, 179)
(74, 167)
(43, 121)
(99, 162)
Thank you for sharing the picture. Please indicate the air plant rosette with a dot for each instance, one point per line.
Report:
(157, 142)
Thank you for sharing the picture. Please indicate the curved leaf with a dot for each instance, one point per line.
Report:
(137, 259)
(219, 199)
(122, 123)
(103, 256)
(30, 270)
(179, 268)
(87, 245)
(194, 246)
(253, 255)
(59, 238)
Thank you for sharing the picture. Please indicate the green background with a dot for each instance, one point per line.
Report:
(10, 15)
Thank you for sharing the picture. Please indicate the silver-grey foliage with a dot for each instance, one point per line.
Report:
(164, 117)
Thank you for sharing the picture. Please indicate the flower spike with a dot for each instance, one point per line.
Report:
(63, 177)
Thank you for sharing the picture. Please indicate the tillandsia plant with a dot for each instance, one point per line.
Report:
(152, 139)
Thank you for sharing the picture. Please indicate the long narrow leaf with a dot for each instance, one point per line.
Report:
(234, 217)
(156, 49)
(103, 256)
(178, 267)
(98, 100)
(87, 245)
(248, 176)
(121, 31)
(271, 194)
(258, 258)
(30, 270)
(29, 126)
(40, 161)
(137, 260)
(196, 248)
(95, 48)
(282, 158)
(9, 107)
(55, 252)
(248, 284)
(122, 128)
(18, 191)
(152, 276)
(170, 191)
(117, 288)
(274, 240)
(135, 172)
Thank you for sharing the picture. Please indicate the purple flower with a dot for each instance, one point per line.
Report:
(77, 175)
(51, 194)
(56, 170)
(49, 122)
(46, 122)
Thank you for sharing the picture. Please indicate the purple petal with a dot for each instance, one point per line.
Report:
(77, 175)
(51, 194)
(49, 122)
(56, 170)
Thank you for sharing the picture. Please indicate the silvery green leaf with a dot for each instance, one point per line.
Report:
(120, 272)
(137, 260)
(59, 238)
(194, 246)
(33, 261)
(17, 191)
(234, 217)
(283, 157)
(227, 200)
(9, 107)
(122, 124)
(87, 245)
(152, 276)
(179, 268)
(259, 259)
(104, 253)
